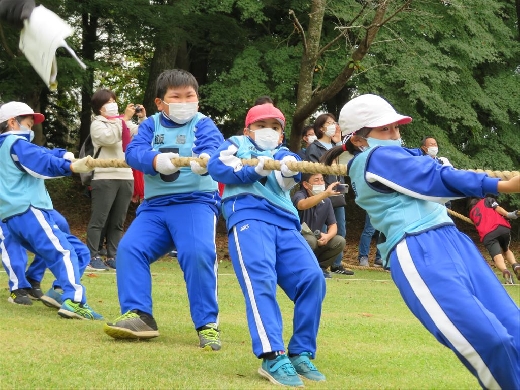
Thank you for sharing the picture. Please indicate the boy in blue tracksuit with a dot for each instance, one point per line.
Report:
(439, 271)
(26, 208)
(181, 205)
(267, 249)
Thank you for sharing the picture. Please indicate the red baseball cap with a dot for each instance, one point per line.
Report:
(264, 111)
(14, 109)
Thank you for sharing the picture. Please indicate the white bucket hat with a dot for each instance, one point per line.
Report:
(368, 111)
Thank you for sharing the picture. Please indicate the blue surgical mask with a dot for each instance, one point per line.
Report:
(383, 142)
(26, 131)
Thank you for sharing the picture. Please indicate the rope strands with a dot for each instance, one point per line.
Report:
(297, 166)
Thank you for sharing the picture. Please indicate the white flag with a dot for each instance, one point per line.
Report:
(41, 36)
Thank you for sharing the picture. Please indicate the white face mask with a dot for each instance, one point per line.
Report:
(182, 113)
(432, 151)
(266, 139)
(311, 139)
(111, 109)
(318, 189)
(330, 130)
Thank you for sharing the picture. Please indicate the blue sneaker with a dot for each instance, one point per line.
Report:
(70, 309)
(280, 371)
(304, 367)
(96, 264)
(52, 298)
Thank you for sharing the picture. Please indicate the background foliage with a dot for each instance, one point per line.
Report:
(452, 65)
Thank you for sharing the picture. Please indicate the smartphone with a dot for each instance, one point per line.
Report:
(343, 188)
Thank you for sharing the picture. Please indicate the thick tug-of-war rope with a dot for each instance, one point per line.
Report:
(296, 166)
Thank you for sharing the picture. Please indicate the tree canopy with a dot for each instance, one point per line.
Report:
(453, 65)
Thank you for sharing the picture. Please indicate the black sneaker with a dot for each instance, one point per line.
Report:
(111, 262)
(134, 324)
(35, 292)
(19, 297)
(378, 263)
(516, 270)
(340, 270)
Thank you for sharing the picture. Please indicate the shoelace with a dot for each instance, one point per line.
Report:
(128, 315)
(285, 365)
(210, 334)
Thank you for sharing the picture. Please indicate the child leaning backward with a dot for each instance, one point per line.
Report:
(440, 273)
(267, 249)
(181, 205)
(26, 208)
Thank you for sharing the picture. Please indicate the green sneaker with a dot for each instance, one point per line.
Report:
(19, 297)
(70, 309)
(134, 324)
(304, 367)
(209, 337)
(280, 371)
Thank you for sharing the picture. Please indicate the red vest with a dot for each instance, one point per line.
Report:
(486, 219)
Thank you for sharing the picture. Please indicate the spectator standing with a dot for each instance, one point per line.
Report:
(329, 135)
(495, 233)
(267, 249)
(430, 148)
(315, 210)
(364, 245)
(181, 205)
(111, 188)
(308, 137)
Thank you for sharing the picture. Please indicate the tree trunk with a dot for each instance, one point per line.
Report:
(89, 40)
(309, 101)
(167, 55)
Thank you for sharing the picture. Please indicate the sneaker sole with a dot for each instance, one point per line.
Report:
(70, 315)
(50, 302)
(95, 269)
(127, 334)
(271, 379)
(210, 348)
(11, 300)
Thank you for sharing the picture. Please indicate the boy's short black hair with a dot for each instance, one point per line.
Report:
(100, 98)
(174, 78)
(306, 176)
(472, 202)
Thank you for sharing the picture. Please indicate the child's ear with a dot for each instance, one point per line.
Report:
(161, 106)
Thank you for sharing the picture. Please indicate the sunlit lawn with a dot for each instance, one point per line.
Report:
(368, 340)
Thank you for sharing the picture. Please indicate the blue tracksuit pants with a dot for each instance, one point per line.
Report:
(37, 231)
(263, 257)
(151, 235)
(449, 287)
(14, 256)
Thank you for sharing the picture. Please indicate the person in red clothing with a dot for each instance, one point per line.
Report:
(495, 233)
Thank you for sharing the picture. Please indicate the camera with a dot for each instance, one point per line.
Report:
(138, 109)
(343, 188)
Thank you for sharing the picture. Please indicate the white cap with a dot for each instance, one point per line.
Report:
(368, 111)
(14, 109)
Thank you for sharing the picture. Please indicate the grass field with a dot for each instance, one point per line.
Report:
(368, 340)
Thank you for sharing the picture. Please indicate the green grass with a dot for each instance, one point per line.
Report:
(368, 340)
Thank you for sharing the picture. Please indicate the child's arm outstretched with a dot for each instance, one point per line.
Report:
(510, 186)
